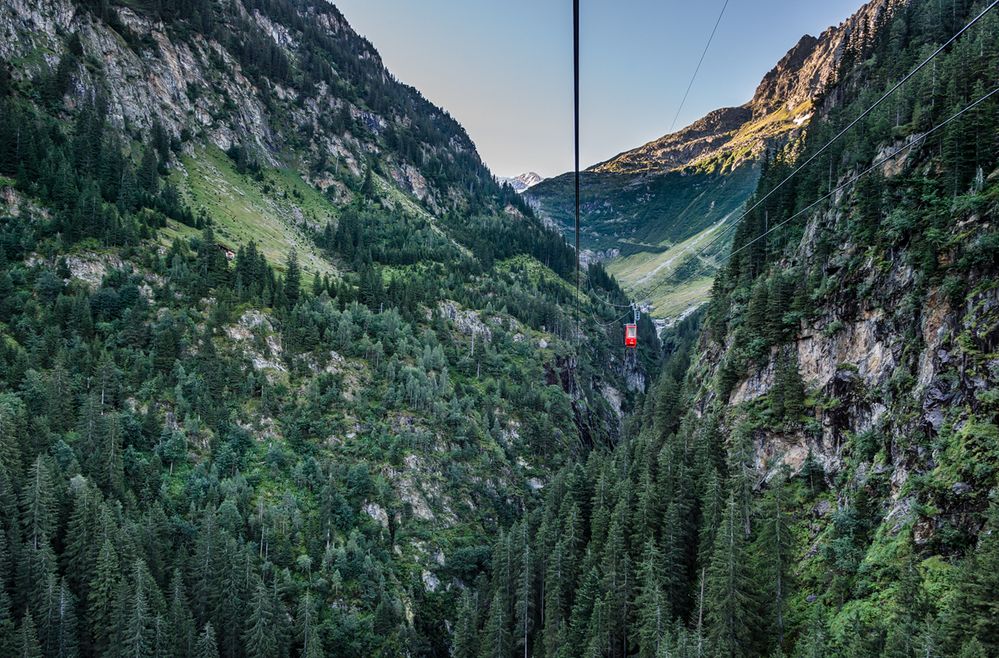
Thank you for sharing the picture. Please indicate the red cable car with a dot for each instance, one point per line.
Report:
(631, 335)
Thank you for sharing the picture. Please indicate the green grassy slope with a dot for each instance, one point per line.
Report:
(678, 278)
(651, 225)
(275, 209)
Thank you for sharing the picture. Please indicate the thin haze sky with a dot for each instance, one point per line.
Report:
(504, 69)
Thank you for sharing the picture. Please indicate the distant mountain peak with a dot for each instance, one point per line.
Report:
(523, 182)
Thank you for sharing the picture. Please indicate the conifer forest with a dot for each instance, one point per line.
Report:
(286, 371)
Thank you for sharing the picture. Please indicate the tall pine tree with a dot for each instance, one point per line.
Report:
(731, 610)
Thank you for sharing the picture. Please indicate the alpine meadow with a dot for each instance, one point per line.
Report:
(285, 370)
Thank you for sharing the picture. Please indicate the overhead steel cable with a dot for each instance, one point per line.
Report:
(697, 69)
(608, 302)
(575, 107)
(629, 314)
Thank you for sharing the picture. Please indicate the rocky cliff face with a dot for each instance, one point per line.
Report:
(808, 69)
(203, 84)
(678, 150)
(878, 324)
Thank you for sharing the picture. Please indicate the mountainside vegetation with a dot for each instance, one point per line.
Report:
(284, 371)
(278, 356)
(814, 473)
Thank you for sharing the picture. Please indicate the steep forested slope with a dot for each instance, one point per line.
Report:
(822, 478)
(278, 357)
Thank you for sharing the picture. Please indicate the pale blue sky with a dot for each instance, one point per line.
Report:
(504, 69)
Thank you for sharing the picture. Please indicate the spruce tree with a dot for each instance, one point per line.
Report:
(206, 583)
(306, 619)
(12, 428)
(48, 613)
(600, 634)
(812, 643)
(91, 428)
(731, 616)
(904, 631)
(779, 302)
(741, 473)
(27, 645)
(236, 582)
(789, 389)
(368, 184)
(675, 549)
(496, 640)
(649, 507)
(973, 648)
(756, 315)
(8, 632)
(6, 567)
(111, 474)
(66, 641)
(812, 472)
(466, 641)
(772, 550)
(38, 505)
(180, 622)
(149, 175)
(561, 580)
(652, 607)
(36, 576)
(618, 575)
(259, 636)
(206, 647)
(137, 635)
(312, 644)
(974, 612)
(101, 599)
(524, 607)
(559, 585)
(162, 646)
(292, 280)
(586, 599)
(81, 546)
(711, 505)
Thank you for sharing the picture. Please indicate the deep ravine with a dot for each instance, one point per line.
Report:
(815, 471)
